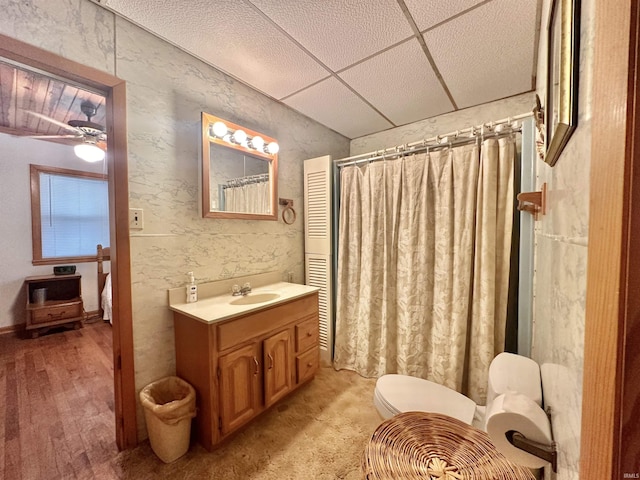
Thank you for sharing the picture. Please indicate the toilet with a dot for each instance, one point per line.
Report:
(508, 372)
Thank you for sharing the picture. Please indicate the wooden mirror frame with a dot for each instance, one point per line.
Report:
(207, 139)
(565, 14)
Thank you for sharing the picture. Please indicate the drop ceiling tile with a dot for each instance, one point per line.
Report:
(427, 13)
(339, 32)
(335, 106)
(231, 35)
(486, 61)
(400, 83)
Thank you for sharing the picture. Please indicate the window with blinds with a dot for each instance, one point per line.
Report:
(70, 214)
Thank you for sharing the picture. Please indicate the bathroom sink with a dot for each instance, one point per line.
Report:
(252, 298)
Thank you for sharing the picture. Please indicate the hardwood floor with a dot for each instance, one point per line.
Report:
(57, 417)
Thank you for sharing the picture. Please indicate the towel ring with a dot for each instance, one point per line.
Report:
(288, 207)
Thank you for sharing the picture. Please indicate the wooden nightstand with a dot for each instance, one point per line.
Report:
(62, 304)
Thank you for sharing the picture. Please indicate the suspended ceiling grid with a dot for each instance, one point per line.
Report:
(358, 66)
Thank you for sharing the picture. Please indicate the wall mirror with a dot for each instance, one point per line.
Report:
(562, 76)
(239, 171)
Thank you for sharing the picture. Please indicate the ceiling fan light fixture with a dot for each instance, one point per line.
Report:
(89, 152)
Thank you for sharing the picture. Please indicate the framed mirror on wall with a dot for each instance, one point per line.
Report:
(561, 109)
(239, 171)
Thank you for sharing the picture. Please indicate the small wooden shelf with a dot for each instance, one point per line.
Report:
(63, 303)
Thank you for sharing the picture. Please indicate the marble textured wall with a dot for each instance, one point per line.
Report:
(74, 29)
(561, 264)
(449, 122)
(166, 91)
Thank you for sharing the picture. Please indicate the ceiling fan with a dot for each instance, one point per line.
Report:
(92, 136)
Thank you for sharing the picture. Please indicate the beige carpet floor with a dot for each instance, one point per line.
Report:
(319, 433)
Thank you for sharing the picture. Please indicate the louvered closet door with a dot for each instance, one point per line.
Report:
(318, 274)
(317, 237)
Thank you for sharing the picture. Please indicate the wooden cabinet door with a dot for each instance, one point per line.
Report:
(277, 367)
(240, 381)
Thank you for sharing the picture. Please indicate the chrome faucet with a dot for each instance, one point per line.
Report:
(236, 290)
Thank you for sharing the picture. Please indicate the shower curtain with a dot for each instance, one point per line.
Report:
(249, 197)
(423, 264)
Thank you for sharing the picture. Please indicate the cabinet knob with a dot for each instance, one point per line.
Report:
(309, 334)
(309, 364)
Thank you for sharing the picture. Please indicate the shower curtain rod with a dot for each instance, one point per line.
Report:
(443, 140)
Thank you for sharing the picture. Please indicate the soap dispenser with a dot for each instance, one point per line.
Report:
(192, 289)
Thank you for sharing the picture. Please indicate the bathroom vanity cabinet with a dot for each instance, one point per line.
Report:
(243, 365)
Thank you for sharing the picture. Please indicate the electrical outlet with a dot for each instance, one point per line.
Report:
(136, 220)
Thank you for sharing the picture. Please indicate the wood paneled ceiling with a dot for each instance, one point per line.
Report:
(23, 91)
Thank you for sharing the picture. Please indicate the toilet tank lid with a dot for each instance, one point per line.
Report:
(509, 372)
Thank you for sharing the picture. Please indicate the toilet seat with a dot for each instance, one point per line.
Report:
(403, 393)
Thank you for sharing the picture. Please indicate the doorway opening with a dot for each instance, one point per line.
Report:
(14, 51)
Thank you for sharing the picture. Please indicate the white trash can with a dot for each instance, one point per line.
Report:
(169, 405)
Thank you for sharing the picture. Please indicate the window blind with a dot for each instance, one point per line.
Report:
(74, 213)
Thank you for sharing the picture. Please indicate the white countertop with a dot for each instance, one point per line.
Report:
(217, 308)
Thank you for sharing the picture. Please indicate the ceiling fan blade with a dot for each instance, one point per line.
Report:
(54, 136)
(53, 120)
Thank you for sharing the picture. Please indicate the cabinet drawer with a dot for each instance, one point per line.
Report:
(307, 364)
(240, 329)
(307, 334)
(56, 313)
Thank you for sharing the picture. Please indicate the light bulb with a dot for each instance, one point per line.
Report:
(257, 143)
(89, 152)
(227, 138)
(239, 137)
(219, 129)
(273, 148)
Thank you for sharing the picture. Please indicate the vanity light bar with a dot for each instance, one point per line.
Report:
(239, 137)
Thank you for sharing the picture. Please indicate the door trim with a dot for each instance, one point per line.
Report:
(610, 438)
(115, 89)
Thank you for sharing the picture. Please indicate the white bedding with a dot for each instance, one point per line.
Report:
(106, 299)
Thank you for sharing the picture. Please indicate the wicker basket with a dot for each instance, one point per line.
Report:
(430, 446)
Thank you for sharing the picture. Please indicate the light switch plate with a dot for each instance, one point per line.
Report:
(136, 219)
